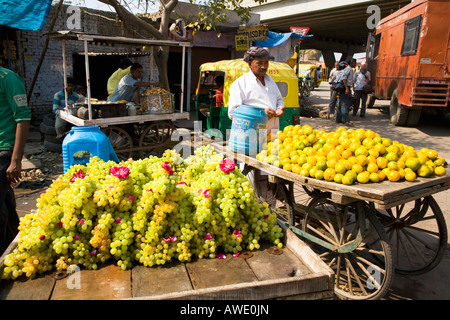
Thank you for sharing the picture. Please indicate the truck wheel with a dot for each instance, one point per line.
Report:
(413, 117)
(397, 111)
(371, 101)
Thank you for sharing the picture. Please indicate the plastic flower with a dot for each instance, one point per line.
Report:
(170, 238)
(93, 252)
(81, 221)
(76, 237)
(220, 255)
(266, 216)
(237, 233)
(181, 182)
(236, 254)
(227, 165)
(60, 224)
(118, 220)
(42, 237)
(78, 174)
(208, 236)
(167, 167)
(130, 197)
(120, 172)
(205, 192)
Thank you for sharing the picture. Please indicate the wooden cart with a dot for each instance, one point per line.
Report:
(130, 136)
(363, 232)
(294, 272)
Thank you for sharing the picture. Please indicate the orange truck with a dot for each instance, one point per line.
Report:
(408, 56)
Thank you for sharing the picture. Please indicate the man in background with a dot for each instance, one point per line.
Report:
(14, 127)
(59, 103)
(123, 70)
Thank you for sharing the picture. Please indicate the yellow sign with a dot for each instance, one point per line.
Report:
(241, 43)
(259, 32)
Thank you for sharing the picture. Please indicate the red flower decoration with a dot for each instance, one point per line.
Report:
(205, 192)
(237, 233)
(170, 238)
(167, 167)
(120, 172)
(236, 254)
(181, 182)
(78, 174)
(208, 236)
(42, 237)
(227, 165)
(221, 256)
(130, 197)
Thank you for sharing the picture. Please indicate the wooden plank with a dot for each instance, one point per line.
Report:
(106, 283)
(149, 281)
(39, 288)
(266, 289)
(104, 122)
(267, 266)
(206, 273)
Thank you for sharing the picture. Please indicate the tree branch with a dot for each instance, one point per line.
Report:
(127, 16)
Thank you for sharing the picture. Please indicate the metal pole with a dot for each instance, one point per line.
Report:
(182, 79)
(188, 84)
(88, 79)
(64, 72)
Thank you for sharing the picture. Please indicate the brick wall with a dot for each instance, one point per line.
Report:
(50, 79)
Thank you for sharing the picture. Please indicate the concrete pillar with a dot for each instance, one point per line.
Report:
(329, 59)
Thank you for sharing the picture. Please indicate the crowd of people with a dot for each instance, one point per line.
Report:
(348, 91)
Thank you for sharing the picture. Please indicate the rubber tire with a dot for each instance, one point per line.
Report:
(52, 139)
(413, 117)
(49, 119)
(47, 129)
(397, 111)
(53, 147)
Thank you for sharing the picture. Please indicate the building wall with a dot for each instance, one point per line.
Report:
(50, 79)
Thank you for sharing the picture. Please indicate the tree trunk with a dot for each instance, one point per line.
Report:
(161, 56)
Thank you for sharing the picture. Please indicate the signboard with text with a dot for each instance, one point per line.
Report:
(259, 32)
(241, 43)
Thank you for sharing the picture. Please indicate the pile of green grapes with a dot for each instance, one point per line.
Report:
(146, 211)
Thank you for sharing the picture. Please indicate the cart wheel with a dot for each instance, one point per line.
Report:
(352, 242)
(120, 140)
(418, 235)
(156, 137)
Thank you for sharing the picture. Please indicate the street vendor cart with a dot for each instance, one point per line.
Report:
(144, 133)
(363, 232)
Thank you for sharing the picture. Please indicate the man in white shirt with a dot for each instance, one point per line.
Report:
(362, 78)
(256, 88)
(333, 94)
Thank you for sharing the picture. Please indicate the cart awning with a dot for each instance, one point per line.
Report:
(24, 14)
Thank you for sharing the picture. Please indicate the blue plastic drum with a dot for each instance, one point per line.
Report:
(82, 143)
(248, 130)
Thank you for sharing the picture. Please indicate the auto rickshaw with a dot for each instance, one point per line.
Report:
(213, 117)
(303, 68)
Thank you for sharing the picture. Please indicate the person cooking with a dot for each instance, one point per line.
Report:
(128, 87)
(123, 70)
(258, 89)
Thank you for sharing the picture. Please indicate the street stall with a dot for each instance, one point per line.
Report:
(363, 231)
(144, 133)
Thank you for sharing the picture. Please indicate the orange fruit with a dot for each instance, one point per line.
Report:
(392, 165)
(381, 175)
(393, 176)
(338, 178)
(439, 161)
(319, 174)
(424, 171)
(374, 177)
(304, 172)
(363, 177)
(372, 168)
(361, 150)
(386, 142)
(329, 174)
(362, 160)
(440, 171)
(357, 168)
(432, 154)
(347, 180)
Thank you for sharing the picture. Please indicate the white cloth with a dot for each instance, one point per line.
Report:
(247, 89)
(125, 89)
(361, 80)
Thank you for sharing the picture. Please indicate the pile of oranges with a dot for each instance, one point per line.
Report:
(348, 155)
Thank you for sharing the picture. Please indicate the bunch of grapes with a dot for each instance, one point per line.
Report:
(149, 211)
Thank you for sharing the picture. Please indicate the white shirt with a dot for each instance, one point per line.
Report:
(361, 80)
(125, 89)
(247, 89)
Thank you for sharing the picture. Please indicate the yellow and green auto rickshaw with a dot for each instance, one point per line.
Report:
(304, 67)
(213, 117)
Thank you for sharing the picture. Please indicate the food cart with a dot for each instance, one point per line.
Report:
(363, 232)
(145, 133)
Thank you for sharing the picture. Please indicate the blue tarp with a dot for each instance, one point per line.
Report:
(275, 39)
(24, 14)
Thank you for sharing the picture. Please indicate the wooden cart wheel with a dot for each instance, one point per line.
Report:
(418, 235)
(156, 138)
(120, 140)
(352, 242)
